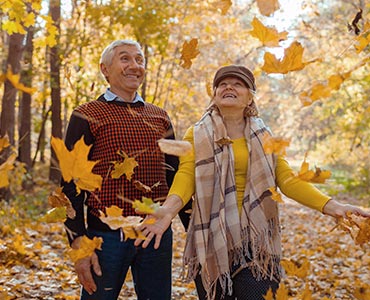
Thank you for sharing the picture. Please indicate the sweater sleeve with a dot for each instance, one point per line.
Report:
(77, 128)
(297, 189)
(184, 181)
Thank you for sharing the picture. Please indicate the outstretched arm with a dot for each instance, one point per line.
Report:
(163, 216)
(335, 209)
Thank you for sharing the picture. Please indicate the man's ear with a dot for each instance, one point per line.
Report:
(103, 69)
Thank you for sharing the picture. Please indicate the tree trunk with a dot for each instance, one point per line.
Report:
(7, 125)
(56, 121)
(24, 144)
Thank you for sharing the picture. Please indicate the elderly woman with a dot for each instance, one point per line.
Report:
(233, 245)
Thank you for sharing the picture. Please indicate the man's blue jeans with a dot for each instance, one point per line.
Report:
(150, 268)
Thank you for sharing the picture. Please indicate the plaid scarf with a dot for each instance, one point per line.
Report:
(219, 238)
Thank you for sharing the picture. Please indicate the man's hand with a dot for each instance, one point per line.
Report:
(83, 269)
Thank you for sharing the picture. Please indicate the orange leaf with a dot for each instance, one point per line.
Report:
(292, 60)
(4, 142)
(58, 199)
(268, 7)
(269, 37)
(5, 168)
(222, 5)
(189, 51)
(75, 165)
(86, 248)
(126, 167)
(294, 269)
(276, 196)
(275, 145)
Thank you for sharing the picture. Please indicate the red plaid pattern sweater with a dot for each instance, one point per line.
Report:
(133, 128)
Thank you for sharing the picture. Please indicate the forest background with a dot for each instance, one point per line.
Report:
(310, 59)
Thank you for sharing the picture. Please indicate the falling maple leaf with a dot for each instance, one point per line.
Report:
(317, 176)
(144, 188)
(58, 199)
(224, 141)
(124, 168)
(174, 147)
(269, 36)
(222, 5)
(268, 7)
(189, 51)
(275, 195)
(301, 270)
(146, 206)
(292, 60)
(4, 142)
(75, 165)
(5, 168)
(14, 80)
(282, 292)
(274, 145)
(86, 248)
(54, 215)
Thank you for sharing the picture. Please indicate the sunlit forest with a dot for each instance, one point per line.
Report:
(310, 59)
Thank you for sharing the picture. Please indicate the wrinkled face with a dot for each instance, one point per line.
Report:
(232, 93)
(126, 72)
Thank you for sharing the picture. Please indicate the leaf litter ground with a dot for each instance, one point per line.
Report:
(34, 263)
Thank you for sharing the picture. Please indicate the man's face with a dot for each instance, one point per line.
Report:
(127, 70)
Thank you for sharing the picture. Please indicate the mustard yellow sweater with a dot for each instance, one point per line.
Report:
(291, 186)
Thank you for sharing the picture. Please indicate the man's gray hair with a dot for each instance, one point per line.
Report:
(108, 53)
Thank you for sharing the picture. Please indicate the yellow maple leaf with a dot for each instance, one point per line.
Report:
(174, 147)
(14, 79)
(130, 228)
(292, 60)
(86, 248)
(222, 5)
(294, 269)
(189, 51)
(282, 292)
(275, 195)
(55, 215)
(5, 168)
(113, 217)
(146, 206)
(269, 295)
(320, 176)
(269, 36)
(4, 142)
(19, 245)
(268, 7)
(75, 165)
(126, 167)
(307, 294)
(58, 199)
(275, 145)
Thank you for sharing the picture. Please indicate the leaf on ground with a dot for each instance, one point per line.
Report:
(58, 199)
(276, 145)
(124, 168)
(174, 147)
(75, 165)
(222, 5)
(269, 36)
(362, 292)
(292, 60)
(268, 7)
(189, 51)
(86, 248)
(292, 268)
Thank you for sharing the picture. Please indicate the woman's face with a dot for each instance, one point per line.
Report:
(232, 93)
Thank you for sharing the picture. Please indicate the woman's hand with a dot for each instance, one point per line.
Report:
(163, 217)
(335, 209)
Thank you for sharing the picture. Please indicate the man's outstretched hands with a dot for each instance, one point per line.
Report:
(163, 217)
